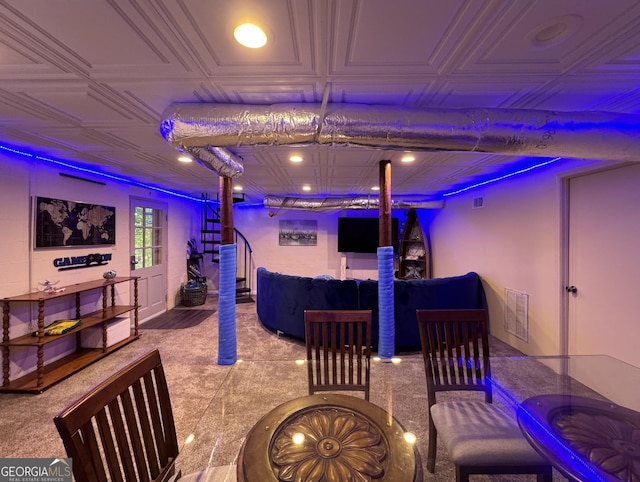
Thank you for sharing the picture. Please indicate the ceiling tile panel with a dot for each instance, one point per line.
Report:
(381, 36)
(206, 28)
(87, 31)
(544, 36)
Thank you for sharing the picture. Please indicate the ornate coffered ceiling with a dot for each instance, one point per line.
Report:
(87, 81)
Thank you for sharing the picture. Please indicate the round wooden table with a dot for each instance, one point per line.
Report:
(331, 438)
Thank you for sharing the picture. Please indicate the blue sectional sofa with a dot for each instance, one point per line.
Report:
(282, 299)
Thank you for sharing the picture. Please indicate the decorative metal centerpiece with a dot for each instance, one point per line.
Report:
(606, 439)
(329, 445)
(328, 438)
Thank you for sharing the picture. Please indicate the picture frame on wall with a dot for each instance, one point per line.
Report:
(63, 223)
(298, 232)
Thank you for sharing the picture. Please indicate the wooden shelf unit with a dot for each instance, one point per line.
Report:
(46, 374)
(415, 259)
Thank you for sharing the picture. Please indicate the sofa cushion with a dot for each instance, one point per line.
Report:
(454, 292)
(282, 299)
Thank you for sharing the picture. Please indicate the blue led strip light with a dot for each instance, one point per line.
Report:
(505, 176)
(98, 173)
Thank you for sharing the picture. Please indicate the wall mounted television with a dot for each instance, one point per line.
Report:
(360, 235)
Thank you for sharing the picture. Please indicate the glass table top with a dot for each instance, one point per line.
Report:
(252, 389)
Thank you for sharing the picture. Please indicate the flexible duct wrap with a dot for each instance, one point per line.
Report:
(594, 135)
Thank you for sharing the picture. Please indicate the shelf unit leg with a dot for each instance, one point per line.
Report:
(104, 301)
(77, 306)
(5, 338)
(40, 350)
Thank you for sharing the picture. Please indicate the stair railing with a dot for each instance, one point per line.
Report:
(211, 240)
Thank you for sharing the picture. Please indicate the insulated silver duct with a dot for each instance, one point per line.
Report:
(218, 159)
(336, 203)
(594, 135)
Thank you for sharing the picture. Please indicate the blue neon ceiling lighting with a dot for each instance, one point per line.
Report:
(192, 198)
(97, 173)
(504, 176)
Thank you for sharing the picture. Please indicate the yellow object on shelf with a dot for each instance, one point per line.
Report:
(59, 327)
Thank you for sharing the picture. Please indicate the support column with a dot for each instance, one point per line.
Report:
(386, 322)
(227, 343)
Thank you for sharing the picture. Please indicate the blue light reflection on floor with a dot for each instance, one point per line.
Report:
(503, 176)
(548, 438)
(97, 173)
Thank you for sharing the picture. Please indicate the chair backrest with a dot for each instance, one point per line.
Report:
(455, 349)
(338, 350)
(123, 429)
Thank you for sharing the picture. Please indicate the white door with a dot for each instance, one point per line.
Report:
(604, 263)
(148, 261)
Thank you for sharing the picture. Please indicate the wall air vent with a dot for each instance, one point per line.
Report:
(478, 202)
(516, 314)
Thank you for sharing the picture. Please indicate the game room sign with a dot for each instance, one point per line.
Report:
(76, 262)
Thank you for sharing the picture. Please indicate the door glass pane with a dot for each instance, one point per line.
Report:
(147, 236)
(148, 217)
(148, 258)
(139, 233)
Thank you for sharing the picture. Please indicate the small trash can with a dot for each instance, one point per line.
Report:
(193, 293)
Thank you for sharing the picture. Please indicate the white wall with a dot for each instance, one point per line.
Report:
(323, 259)
(21, 179)
(513, 242)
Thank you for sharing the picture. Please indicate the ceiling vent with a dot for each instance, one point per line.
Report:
(478, 202)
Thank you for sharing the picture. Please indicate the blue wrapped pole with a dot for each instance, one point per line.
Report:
(227, 350)
(386, 327)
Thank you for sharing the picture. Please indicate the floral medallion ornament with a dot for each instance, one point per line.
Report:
(328, 445)
(611, 443)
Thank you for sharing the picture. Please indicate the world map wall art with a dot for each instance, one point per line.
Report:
(70, 223)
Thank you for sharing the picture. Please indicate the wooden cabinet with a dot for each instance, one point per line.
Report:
(415, 258)
(48, 373)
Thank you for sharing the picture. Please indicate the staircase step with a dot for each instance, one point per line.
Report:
(242, 290)
(241, 280)
(244, 299)
(210, 231)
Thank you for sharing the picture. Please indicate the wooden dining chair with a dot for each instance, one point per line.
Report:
(479, 436)
(338, 350)
(123, 429)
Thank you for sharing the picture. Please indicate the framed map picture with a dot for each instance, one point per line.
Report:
(70, 223)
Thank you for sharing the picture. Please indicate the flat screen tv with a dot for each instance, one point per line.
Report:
(360, 235)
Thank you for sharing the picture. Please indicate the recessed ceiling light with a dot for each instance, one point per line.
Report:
(375, 188)
(407, 158)
(306, 187)
(185, 159)
(237, 188)
(250, 35)
(295, 158)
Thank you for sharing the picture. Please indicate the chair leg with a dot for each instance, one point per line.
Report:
(461, 474)
(545, 475)
(431, 451)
